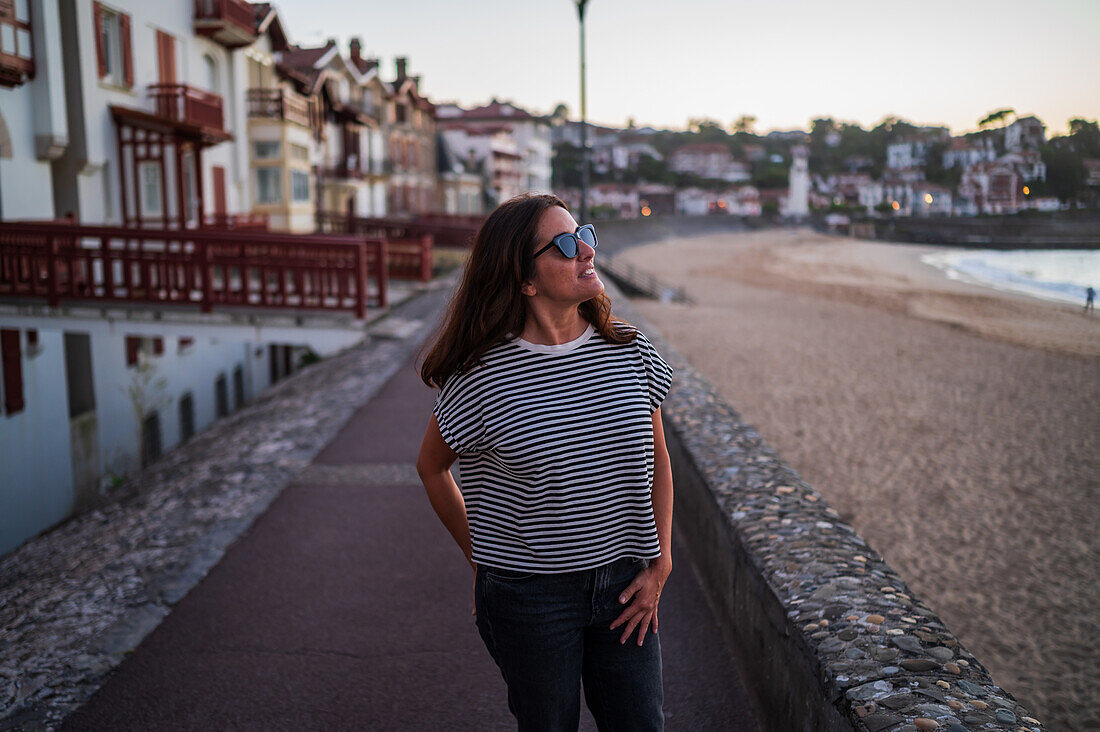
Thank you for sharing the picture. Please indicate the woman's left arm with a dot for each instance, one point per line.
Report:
(644, 592)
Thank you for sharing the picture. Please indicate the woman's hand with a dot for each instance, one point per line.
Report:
(643, 594)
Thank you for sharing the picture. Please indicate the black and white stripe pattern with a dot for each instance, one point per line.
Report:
(556, 451)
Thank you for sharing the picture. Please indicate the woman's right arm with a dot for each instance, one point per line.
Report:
(434, 467)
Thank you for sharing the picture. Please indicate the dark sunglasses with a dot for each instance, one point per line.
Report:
(569, 243)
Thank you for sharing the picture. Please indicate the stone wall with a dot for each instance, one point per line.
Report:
(827, 635)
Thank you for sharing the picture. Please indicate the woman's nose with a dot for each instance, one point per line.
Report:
(584, 251)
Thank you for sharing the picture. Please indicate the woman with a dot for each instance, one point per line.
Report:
(565, 511)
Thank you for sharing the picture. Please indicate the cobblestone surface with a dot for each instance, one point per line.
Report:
(886, 659)
(75, 600)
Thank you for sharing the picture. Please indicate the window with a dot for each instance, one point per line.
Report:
(221, 396)
(269, 185)
(150, 188)
(16, 53)
(112, 46)
(238, 387)
(191, 196)
(11, 355)
(150, 439)
(299, 185)
(210, 66)
(266, 149)
(299, 153)
(187, 416)
(136, 345)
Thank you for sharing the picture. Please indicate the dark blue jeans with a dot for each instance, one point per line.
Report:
(549, 632)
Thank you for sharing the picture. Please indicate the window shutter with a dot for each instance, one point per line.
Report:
(158, 346)
(13, 371)
(133, 346)
(100, 51)
(127, 53)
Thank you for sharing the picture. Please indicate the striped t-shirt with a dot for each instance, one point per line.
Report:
(555, 448)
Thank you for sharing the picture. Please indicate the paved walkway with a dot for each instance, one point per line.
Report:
(346, 605)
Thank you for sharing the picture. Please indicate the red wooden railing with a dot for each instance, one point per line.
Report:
(183, 103)
(410, 259)
(201, 267)
(446, 231)
(238, 12)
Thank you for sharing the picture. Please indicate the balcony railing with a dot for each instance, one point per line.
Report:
(204, 268)
(14, 70)
(231, 23)
(182, 103)
(282, 104)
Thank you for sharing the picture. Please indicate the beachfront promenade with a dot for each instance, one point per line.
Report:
(345, 604)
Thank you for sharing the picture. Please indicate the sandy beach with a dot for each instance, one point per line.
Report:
(956, 427)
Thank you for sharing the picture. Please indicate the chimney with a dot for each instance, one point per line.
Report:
(401, 62)
(354, 48)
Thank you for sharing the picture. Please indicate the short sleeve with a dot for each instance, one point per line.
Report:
(658, 373)
(457, 410)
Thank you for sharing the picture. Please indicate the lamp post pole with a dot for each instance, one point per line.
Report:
(584, 122)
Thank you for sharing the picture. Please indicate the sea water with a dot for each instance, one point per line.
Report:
(1060, 275)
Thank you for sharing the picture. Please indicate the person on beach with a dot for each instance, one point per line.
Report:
(552, 407)
(1090, 295)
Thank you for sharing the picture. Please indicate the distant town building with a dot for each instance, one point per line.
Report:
(709, 160)
(798, 190)
(990, 188)
(968, 150)
(491, 150)
(1026, 133)
(531, 135)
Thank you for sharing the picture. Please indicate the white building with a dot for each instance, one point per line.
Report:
(1026, 133)
(711, 160)
(530, 136)
(132, 114)
(968, 150)
(798, 188)
(492, 151)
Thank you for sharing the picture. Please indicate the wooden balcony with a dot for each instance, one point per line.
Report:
(14, 70)
(282, 104)
(182, 103)
(203, 268)
(232, 23)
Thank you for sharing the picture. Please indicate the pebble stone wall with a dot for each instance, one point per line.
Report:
(827, 635)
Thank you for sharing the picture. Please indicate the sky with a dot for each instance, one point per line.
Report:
(786, 62)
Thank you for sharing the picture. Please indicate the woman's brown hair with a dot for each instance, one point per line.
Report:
(488, 306)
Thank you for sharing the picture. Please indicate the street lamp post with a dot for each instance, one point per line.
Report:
(584, 121)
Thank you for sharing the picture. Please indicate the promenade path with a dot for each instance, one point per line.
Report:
(347, 606)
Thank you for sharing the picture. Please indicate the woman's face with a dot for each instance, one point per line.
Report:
(558, 279)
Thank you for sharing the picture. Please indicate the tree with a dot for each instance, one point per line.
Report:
(999, 116)
(1084, 137)
(561, 111)
(746, 123)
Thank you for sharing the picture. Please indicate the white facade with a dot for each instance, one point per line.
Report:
(89, 184)
(79, 429)
(33, 124)
(1026, 133)
(798, 186)
(709, 160)
(531, 137)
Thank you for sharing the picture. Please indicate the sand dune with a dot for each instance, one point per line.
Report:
(956, 427)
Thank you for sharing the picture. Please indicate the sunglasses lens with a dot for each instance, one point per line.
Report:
(567, 243)
(587, 234)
